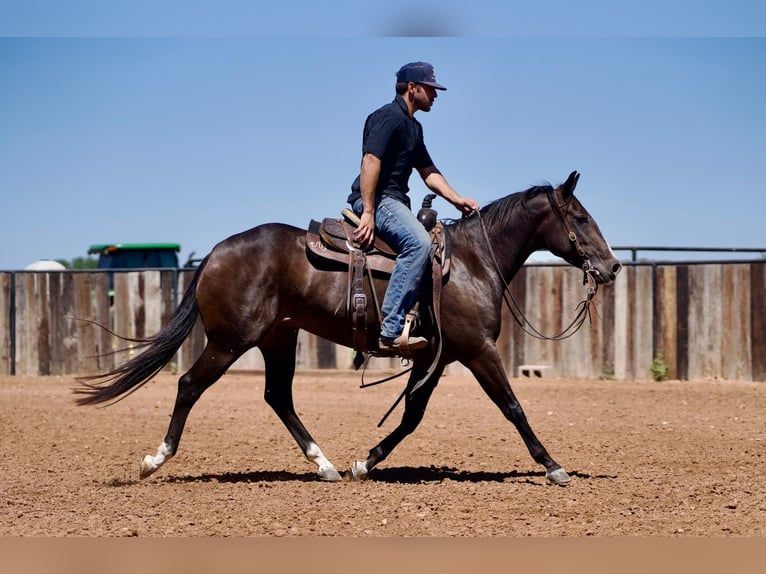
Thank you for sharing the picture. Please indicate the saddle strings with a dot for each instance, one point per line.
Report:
(583, 307)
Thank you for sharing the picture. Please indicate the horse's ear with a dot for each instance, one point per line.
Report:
(568, 187)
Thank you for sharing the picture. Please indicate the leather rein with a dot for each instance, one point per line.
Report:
(583, 307)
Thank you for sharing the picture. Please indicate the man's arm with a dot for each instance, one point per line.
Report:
(436, 182)
(368, 181)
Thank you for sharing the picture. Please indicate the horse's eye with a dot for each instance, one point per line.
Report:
(581, 219)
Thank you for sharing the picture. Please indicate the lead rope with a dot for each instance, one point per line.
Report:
(583, 307)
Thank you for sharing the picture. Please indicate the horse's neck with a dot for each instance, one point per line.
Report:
(515, 244)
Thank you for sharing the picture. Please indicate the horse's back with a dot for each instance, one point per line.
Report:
(265, 274)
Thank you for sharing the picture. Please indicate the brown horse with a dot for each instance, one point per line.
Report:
(258, 288)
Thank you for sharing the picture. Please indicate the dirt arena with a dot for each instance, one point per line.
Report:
(678, 459)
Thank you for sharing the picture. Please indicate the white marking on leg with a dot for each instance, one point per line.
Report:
(150, 463)
(359, 470)
(326, 468)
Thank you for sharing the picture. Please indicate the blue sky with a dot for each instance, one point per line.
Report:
(187, 128)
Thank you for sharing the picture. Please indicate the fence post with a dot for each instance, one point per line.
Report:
(12, 324)
(655, 310)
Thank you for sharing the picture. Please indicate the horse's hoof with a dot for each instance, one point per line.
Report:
(358, 471)
(150, 464)
(148, 467)
(558, 476)
(329, 475)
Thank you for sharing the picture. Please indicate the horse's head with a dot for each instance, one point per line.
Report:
(572, 234)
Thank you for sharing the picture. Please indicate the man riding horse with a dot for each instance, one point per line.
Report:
(392, 146)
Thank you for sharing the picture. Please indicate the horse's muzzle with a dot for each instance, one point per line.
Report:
(605, 273)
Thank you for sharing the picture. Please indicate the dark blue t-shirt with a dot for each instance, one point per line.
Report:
(391, 135)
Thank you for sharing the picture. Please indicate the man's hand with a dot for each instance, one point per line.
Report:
(365, 232)
(435, 181)
(466, 205)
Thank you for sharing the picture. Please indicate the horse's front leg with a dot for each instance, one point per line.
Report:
(414, 409)
(279, 359)
(488, 370)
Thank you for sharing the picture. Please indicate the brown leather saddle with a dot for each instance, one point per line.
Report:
(333, 240)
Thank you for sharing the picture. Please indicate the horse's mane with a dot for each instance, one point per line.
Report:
(500, 211)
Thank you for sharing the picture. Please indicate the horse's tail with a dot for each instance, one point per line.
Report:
(159, 350)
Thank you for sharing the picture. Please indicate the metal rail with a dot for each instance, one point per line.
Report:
(635, 249)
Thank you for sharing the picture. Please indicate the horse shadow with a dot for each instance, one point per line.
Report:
(390, 475)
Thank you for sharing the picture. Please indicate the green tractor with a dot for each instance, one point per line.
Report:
(122, 256)
(136, 255)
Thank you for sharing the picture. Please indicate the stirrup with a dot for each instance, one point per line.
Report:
(402, 344)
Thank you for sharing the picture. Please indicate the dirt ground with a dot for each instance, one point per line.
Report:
(679, 459)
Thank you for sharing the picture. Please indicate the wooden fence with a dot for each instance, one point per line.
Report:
(704, 320)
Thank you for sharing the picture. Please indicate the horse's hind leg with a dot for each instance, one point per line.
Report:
(206, 370)
(279, 357)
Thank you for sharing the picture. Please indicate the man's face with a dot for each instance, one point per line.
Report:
(423, 96)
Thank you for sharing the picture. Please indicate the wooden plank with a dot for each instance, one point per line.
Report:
(696, 323)
(121, 306)
(71, 362)
(251, 360)
(104, 316)
(705, 317)
(621, 323)
(152, 302)
(595, 344)
(757, 305)
(166, 293)
(138, 302)
(22, 322)
(538, 312)
(40, 281)
(573, 354)
(124, 315)
(682, 329)
(86, 334)
(62, 340)
(712, 325)
(630, 324)
(325, 354)
(531, 311)
(555, 305)
(302, 358)
(642, 311)
(667, 319)
(55, 312)
(605, 301)
(5, 323)
(634, 367)
(736, 361)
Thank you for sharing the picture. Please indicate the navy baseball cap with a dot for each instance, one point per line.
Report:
(420, 73)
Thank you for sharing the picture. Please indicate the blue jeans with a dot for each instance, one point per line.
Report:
(397, 225)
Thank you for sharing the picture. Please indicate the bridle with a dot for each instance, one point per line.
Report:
(583, 307)
(587, 266)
